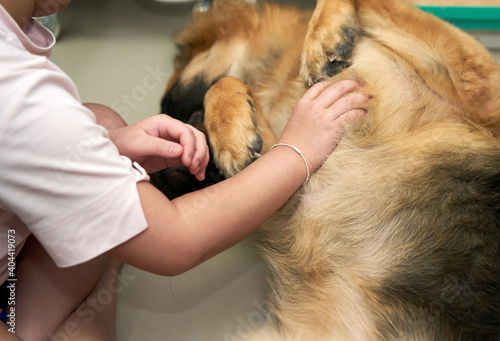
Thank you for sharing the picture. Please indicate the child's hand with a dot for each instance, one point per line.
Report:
(317, 122)
(161, 141)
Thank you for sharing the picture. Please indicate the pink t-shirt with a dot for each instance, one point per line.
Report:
(61, 178)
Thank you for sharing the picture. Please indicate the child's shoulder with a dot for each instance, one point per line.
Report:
(33, 38)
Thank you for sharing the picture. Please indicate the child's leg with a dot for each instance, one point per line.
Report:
(105, 116)
(5, 335)
(94, 320)
(47, 295)
(61, 304)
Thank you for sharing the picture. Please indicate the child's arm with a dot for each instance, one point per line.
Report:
(157, 142)
(161, 141)
(192, 228)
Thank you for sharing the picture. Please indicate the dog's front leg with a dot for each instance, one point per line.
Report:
(236, 129)
(330, 39)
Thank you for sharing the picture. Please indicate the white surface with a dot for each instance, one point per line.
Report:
(490, 39)
(119, 53)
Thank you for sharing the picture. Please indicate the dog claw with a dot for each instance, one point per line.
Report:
(332, 57)
(253, 154)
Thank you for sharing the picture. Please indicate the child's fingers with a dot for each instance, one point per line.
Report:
(159, 147)
(187, 141)
(191, 141)
(347, 103)
(351, 115)
(315, 90)
(170, 129)
(200, 176)
(331, 94)
(200, 154)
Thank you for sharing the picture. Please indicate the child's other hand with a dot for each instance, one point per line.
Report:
(161, 141)
(317, 122)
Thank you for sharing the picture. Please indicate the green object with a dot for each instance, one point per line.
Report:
(468, 17)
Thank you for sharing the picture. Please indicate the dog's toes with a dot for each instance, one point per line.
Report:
(231, 159)
(231, 125)
(255, 149)
(327, 52)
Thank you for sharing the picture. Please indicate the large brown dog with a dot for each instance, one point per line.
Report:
(397, 236)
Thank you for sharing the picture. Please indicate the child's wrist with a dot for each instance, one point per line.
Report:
(299, 153)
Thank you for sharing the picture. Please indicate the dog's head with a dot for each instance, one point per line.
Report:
(205, 53)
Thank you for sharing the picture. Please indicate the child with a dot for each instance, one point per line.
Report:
(80, 192)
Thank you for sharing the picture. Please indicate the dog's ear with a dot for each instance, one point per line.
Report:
(205, 28)
(208, 26)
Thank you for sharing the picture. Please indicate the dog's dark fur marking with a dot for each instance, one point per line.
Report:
(343, 51)
(176, 181)
(182, 101)
(185, 103)
(462, 282)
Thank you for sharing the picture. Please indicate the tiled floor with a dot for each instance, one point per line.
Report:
(119, 53)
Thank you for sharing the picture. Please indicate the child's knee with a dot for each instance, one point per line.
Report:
(105, 116)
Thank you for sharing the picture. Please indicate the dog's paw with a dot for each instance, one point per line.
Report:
(328, 47)
(231, 125)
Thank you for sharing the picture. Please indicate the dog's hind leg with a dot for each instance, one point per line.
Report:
(237, 131)
(329, 41)
(452, 63)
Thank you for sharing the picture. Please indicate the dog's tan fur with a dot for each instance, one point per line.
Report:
(397, 236)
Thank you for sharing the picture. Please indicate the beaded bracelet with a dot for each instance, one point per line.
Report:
(297, 150)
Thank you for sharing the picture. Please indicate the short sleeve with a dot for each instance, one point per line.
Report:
(59, 172)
